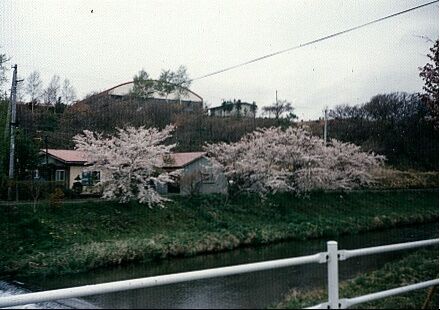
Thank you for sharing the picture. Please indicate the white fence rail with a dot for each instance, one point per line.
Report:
(331, 257)
(333, 284)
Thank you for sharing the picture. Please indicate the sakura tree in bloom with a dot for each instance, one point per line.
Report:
(128, 162)
(272, 159)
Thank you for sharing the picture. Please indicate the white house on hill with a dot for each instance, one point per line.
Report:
(235, 108)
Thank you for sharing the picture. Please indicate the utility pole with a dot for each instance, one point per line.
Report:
(8, 117)
(47, 158)
(12, 125)
(276, 96)
(13, 121)
(325, 125)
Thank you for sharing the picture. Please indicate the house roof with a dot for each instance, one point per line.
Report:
(67, 156)
(180, 160)
(177, 160)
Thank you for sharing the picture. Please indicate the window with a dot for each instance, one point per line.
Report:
(90, 178)
(60, 175)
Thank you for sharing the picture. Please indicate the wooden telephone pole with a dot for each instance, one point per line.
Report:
(12, 125)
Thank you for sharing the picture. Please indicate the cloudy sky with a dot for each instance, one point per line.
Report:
(107, 47)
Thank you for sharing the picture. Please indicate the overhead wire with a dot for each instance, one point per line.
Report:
(313, 41)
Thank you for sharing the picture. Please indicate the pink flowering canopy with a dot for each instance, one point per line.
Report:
(292, 160)
(128, 162)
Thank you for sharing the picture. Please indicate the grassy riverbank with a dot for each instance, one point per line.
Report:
(81, 237)
(416, 267)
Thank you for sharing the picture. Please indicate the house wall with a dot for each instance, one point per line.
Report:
(74, 172)
(54, 165)
(194, 179)
(246, 111)
(216, 112)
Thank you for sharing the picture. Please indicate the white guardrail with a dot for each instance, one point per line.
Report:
(331, 257)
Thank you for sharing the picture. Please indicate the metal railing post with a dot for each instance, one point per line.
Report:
(333, 276)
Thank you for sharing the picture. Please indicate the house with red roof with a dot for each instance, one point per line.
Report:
(198, 175)
(65, 167)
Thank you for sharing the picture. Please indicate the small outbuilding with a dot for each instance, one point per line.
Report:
(198, 174)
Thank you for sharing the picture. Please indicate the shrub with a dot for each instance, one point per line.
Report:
(56, 198)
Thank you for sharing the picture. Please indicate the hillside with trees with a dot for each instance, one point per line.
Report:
(395, 125)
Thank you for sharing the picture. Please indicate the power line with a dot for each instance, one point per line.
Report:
(314, 41)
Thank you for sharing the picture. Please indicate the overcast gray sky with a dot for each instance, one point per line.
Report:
(107, 47)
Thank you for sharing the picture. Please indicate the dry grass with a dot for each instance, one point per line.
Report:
(388, 178)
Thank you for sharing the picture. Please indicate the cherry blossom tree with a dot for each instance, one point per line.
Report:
(129, 162)
(292, 160)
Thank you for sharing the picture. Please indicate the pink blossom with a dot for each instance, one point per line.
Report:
(292, 160)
